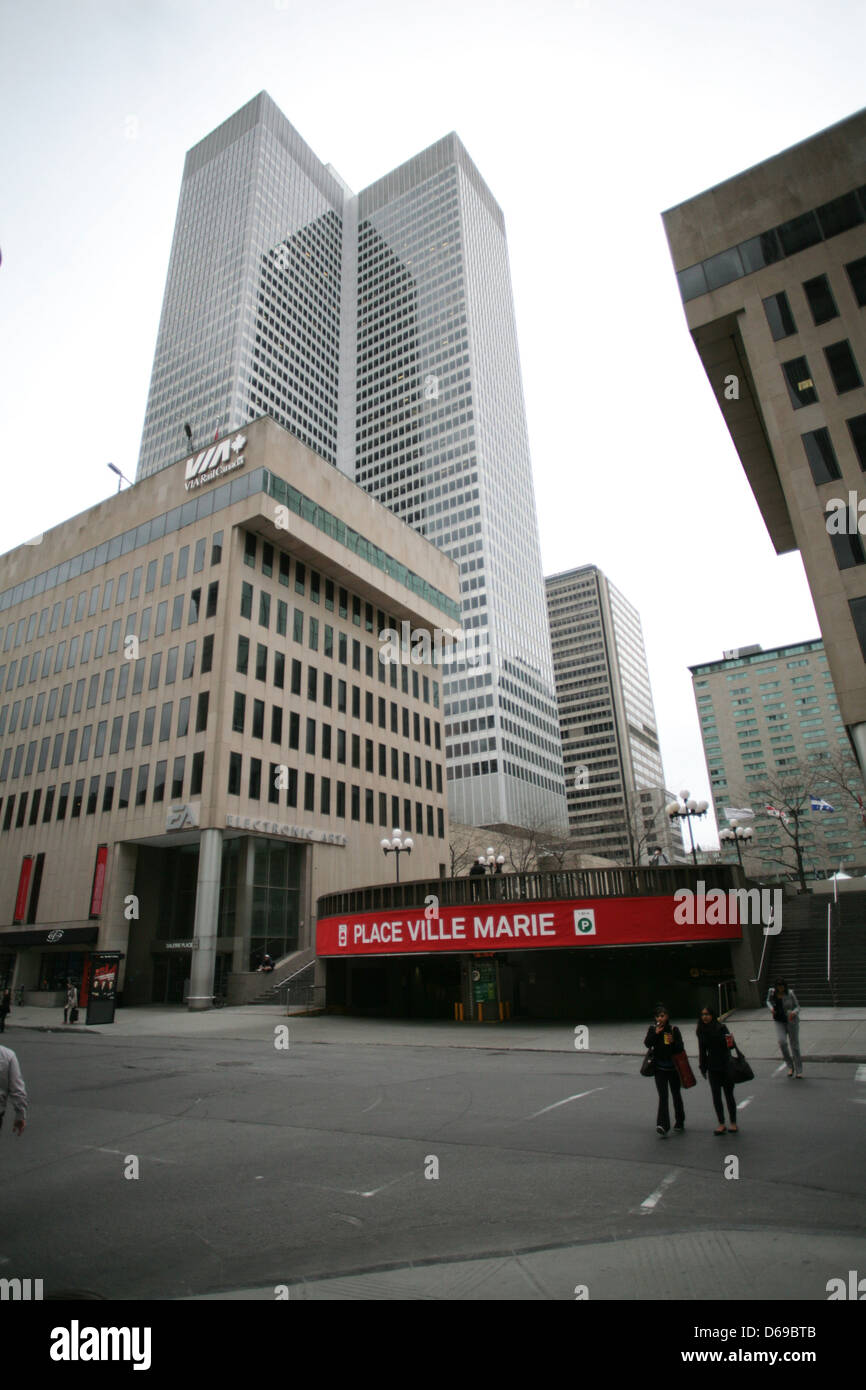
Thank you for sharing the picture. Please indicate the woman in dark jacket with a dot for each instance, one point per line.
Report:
(5, 1008)
(663, 1040)
(714, 1048)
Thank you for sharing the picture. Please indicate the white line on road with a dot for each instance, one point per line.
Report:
(376, 1102)
(557, 1103)
(655, 1197)
(741, 1104)
(860, 1074)
(783, 1067)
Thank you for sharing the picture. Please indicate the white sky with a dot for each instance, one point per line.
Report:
(587, 118)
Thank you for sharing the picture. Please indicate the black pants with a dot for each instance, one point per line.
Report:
(663, 1080)
(719, 1082)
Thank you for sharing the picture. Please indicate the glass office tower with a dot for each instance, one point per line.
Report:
(379, 328)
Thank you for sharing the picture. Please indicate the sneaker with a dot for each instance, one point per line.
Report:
(660, 1129)
(680, 1127)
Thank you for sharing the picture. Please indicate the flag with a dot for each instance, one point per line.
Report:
(819, 804)
(771, 811)
(739, 813)
(862, 809)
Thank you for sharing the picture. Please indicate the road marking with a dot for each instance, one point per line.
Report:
(373, 1106)
(860, 1074)
(557, 1103)
(655, 1197)
(741, 1104)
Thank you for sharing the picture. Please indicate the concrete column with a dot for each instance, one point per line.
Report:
(243, 908)
(207, 901)
(120, 906)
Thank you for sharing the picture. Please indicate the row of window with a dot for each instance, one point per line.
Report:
(282, 778)
(91, 746)
(82, 797)
(843, 369)
(375, 707)
(820, 298)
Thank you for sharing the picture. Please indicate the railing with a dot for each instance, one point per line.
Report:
(299, 990)
(533, 887)
(727, 996)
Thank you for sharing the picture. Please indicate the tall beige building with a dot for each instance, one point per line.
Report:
(197, 734)
(771, 267)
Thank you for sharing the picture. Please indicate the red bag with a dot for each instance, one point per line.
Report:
(686, 1075)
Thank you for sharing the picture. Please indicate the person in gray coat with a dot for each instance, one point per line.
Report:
(783, 1005)
(12, 1087)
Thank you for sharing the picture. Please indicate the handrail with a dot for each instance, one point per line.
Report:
(535, 886)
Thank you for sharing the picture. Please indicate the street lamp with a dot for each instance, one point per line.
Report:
(493, 862)
(737, 835)
(397, 845)
(688, 811)
(121, 477)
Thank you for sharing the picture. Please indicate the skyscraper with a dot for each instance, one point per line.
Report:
(378, 328)
(613, 763)
(771, 267)
(772, 732)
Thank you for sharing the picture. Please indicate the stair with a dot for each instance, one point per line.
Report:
(292, 982)
(799, 953)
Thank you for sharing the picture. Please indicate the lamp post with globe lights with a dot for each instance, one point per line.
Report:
(397, 845)
(687, 809)
(737, 835)
(492, 860)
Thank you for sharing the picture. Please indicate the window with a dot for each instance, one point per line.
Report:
(821, 456)
(261, 662)
(258, 729)
(147, 727)
(165, 721)
(264, 609)
(155, 665)
(848, 550)
(159, 629)
(857, 430)
(239, 712)
(843, 367)
(198, 561)
(159, 781)
(207, 654)
(243, 658)
(327, 689)
(284, 570)
(282, 617)
(276, 724)
(234, 786)
(300, 577)
(857, 275)
(183, 717)
(267, 559)
(255, 781)
(341, 800)
(246, 600)
(801, 388)
(250, 550)
(341, 697)
(131, 730)
(279, 670)
(141, 786)
(356, 803)
(779, 316)
(325, 796)
(177, 773)
(216, 552)
(171, 666)
(212, 599)
(294, 730)
(196, 774)
(309, 792)
(821, 301)
(298, 626)
(125, 787)
(165, 577)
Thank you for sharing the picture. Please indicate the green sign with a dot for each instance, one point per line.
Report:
(483, 982)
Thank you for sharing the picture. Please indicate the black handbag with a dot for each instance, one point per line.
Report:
(73, 1015)
(738, 1068)
(648, 1066)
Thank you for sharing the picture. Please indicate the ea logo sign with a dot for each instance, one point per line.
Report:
(584, 922)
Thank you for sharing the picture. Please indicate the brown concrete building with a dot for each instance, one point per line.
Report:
(771, 266)
(197, 735)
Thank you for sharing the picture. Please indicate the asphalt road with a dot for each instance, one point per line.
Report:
(260, 1167)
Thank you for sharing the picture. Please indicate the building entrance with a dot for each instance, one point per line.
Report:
(171, 974)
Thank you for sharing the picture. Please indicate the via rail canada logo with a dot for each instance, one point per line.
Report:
(213, 462)
(584, 922)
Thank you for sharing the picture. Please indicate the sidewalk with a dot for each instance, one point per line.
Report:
(826, 1035)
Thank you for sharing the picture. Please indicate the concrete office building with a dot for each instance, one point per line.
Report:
(379, 329)
(762, 714)
(197, 735)
(771, 267)
(613, 763)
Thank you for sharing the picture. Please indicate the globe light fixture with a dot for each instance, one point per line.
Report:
(687, 809)
(397, 845)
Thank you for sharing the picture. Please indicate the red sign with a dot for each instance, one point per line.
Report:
(98, 881)
(523, 926)
(23, 888)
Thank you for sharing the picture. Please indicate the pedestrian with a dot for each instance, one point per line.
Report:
(71, 1005)
(664, 1039)
(267, 964)
(714, 1044)
(783, 1005)
(5, 1008)
(12, 1087)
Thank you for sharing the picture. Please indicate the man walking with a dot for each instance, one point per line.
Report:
(12, 1087)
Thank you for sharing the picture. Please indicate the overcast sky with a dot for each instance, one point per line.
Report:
(587, 118)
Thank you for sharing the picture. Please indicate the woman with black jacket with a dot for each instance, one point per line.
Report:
(714, 1058)
(663, 1040)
